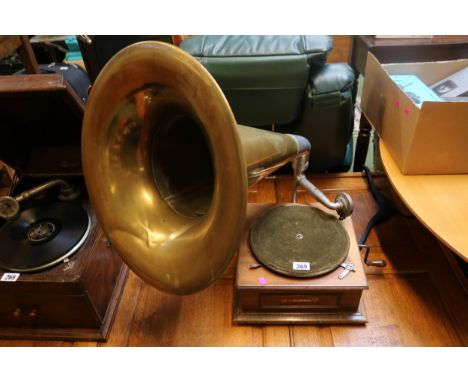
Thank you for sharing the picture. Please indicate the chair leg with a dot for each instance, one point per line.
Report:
(27, 56)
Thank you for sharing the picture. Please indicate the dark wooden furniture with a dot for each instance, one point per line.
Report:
(76, 300)
(98, 49)
(397, 50)
(40, 125)
(265, 297)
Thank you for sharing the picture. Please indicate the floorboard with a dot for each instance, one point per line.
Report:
(416, 300)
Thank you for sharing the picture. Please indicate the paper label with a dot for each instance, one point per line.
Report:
(262, 281)
(11, 277)
(301, 266)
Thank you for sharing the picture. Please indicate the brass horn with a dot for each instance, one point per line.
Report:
(167, 168)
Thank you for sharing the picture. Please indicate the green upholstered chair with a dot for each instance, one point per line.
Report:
(284, 83)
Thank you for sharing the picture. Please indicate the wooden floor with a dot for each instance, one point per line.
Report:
(417, 300)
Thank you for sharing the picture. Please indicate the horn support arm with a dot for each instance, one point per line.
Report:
(343, 203)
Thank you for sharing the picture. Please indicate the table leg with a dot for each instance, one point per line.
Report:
(362, 144)
(386, 209)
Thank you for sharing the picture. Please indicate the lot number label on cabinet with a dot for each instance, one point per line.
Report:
(11, 277)
(301, 266)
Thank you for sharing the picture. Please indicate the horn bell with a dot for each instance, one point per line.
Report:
(167, 168)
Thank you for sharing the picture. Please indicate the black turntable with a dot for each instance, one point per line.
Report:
(43, 236)
(68, 280)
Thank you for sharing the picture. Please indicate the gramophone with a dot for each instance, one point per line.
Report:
(59, 278)
(167, 170)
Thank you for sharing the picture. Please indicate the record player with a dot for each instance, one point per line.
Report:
(60, 277)
(298, 264)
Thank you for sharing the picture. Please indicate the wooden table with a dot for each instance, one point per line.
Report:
(438, 201)
(387, 50)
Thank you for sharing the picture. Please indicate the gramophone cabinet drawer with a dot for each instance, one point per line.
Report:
(47, 310)
(306, 301)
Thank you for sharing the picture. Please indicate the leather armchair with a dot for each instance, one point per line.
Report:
(284, 83)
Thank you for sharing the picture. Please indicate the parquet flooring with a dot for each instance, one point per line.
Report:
(417, 300)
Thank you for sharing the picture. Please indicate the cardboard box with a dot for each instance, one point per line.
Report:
(432, 139)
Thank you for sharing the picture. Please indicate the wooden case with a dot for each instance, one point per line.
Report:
(75, 300)
(265, 297)
(40, 125)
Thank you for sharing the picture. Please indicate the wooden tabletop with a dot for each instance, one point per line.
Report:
(439, 201)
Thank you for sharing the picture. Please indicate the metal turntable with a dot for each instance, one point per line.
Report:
(299, 241)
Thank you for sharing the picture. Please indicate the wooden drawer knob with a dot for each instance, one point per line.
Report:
(33, 313)
(17, 313)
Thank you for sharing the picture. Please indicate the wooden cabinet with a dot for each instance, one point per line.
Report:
(264, 297)
(74, 300)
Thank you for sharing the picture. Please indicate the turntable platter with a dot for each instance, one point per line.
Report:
(43, 236)
(299, 241)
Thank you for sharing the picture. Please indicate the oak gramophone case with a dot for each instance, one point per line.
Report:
(70, 279)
